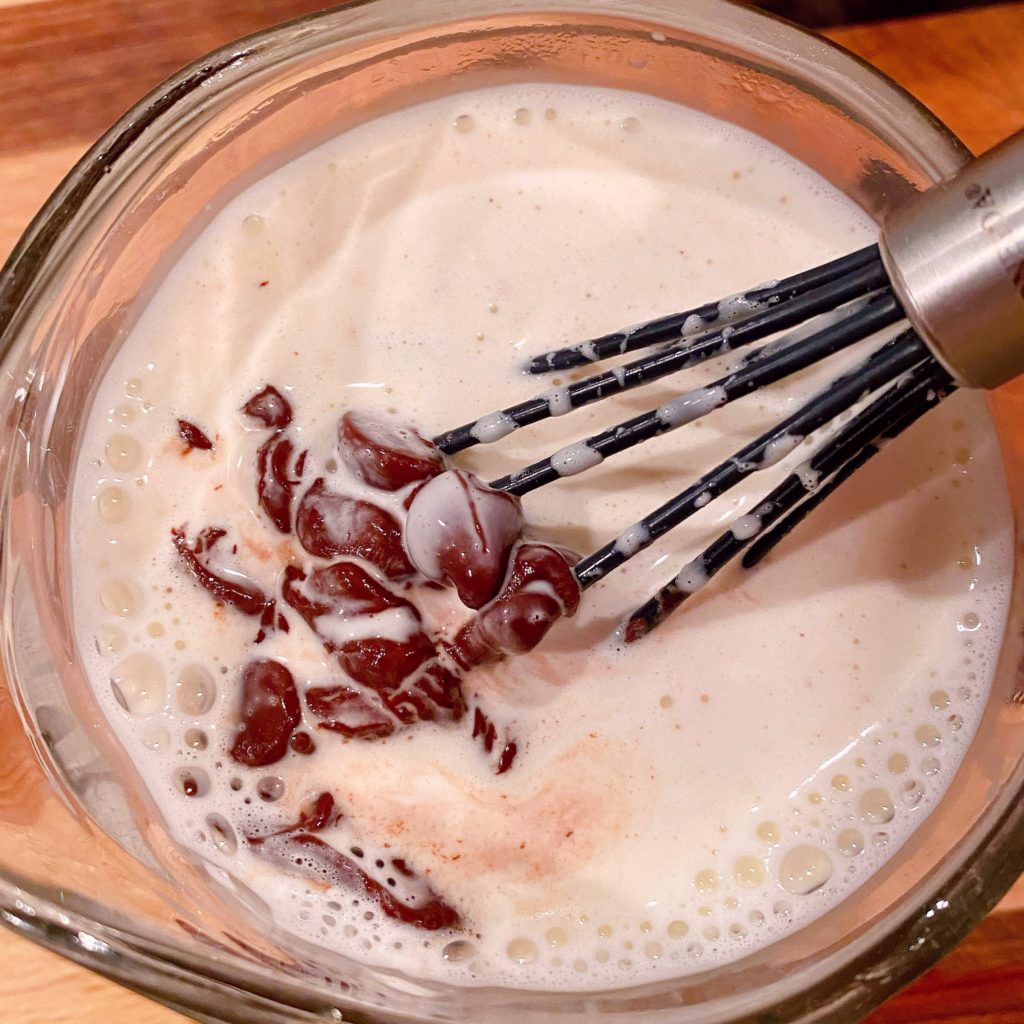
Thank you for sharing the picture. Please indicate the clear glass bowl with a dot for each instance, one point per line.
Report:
(86, 866)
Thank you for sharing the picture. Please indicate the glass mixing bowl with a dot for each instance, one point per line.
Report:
(86, 866)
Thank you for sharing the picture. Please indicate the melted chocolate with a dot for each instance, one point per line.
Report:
(329, 525)
(392, 673)
(386, 455)
(279, 473)
(344, 710)
(193, 437)
(268, 714)
(244, 597)
(461, 532)
(270, 407)
(299, 846)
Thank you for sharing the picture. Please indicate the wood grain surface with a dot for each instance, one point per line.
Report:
(68, 68)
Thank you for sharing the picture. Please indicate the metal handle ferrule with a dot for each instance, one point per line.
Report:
(955, 256)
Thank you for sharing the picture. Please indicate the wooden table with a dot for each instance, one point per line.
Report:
(69, 67)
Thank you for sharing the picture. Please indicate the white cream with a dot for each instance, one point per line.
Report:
(674, 805)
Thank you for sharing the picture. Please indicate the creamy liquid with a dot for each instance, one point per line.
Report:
(674, 805)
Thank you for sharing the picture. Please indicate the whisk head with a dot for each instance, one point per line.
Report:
(800, 321)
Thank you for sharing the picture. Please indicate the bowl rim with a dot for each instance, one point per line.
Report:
(921, 937)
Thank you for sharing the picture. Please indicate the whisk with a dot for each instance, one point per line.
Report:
(949, 266)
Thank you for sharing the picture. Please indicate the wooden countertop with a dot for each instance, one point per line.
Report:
(69, 68)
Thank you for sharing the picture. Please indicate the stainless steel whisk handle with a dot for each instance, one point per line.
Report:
(955, 256)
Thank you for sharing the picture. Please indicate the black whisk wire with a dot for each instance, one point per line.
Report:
(835, 461)
(690, 322)
(496, 425)
(887, 363)
(764, 366)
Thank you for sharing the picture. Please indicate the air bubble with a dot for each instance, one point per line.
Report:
(195, 739)
(928, 736)
(522, 116)
(556, 937)
(804, 869)
(707, 881)
(193, 782)
(123, 414)
(112, 503)
(120, 598)
(876, 806)
(521, 951)
(138, 684)
(911, 792)
(630, 125)
(156, 737)
(782, 909)
(841, 783)
(270, 788)
(737, 931)
(123, 453)
(459, 950)
(464, 123)
(677, 929)
(110, 640)
(969, 623)
(222, 834)
(748, 872)
(955, 722)
(654, 950)
(939, 700)
(769, 832)
(712, 933)
(850, 842)
(931, 766)
(195, 690)
(602, 956)
(253, 225)
(898, 764)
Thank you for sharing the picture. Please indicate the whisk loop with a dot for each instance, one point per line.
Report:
(707, 345)
(773, 518)
(892, 359)
(765, 366)
(688, 324)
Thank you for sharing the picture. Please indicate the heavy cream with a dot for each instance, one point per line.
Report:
(673, 804)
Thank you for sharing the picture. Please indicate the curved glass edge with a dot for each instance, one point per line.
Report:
(155, 970)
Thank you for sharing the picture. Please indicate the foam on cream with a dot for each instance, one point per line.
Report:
(674, 805)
